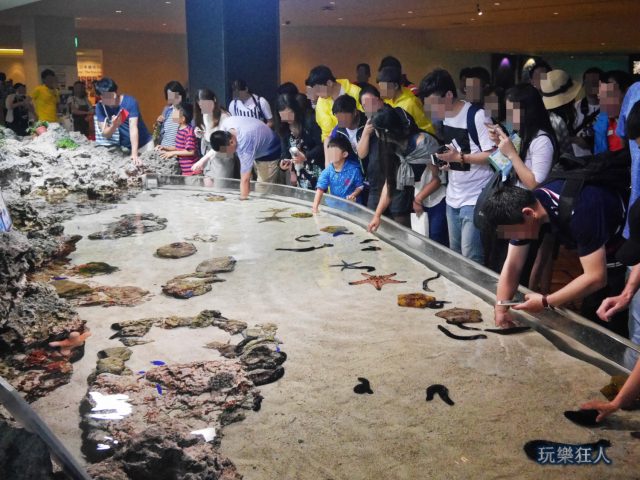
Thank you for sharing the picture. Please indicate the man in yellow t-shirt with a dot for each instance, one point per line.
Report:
(46, 97)
(394, 94)
(327, 89)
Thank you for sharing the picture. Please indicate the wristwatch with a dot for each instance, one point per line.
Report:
(545, 303)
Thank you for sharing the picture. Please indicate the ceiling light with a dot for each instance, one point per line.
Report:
(332, 3)
(11, 51)
(168, 3)
(404, 25)
(497, 4)
(472, 19)
(603, 44)
(479, 9)
(340, 18)
(555, 13)
(118, 11)
(410, 11)
(164, 24)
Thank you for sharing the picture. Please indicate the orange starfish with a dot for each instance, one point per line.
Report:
(75, 340)
(377, 280)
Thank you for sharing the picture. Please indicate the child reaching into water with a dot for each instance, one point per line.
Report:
(343, 177)
(186, 149)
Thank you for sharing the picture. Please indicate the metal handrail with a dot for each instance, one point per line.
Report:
(562, 327)
(29, 419)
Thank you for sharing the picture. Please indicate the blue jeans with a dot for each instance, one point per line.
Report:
(630, 358)
(437, 215)
(464, 237)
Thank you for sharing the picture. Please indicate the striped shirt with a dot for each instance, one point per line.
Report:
(186, 140)
(169, 128)
(101, 140)
(255, 107)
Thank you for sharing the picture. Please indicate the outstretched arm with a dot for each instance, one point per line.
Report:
(593, 278)
(383, 204)
(508, 282)
(628, 393)
(612, 305)
(317, 200)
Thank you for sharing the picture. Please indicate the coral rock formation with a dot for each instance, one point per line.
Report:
(131, 224)
(217, 265)
(176, 250)
(190, 285)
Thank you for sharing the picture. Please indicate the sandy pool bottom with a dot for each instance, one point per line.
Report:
(507, 390)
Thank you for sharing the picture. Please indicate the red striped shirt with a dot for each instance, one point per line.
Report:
(186, 140)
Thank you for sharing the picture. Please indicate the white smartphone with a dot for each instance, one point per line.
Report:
(294, 151)
(508, 303)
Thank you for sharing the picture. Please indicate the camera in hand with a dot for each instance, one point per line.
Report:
(463, 167)
(436, 161)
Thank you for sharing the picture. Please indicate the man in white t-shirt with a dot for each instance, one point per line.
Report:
(469, 146)
(247, 104)
(252, 141)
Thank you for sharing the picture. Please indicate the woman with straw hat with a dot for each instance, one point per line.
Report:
(559, 93)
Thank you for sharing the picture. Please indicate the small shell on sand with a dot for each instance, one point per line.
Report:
(334, 229)
(215, 198)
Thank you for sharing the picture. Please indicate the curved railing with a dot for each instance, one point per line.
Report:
(567, 330)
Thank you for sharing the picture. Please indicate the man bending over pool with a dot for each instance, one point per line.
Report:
(253, 141)
(525, 216)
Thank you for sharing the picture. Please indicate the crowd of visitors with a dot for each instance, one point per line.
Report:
(503, 176)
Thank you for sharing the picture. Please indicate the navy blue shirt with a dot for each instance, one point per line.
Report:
(130, 106)
(597, 218)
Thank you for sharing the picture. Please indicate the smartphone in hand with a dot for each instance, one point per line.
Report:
(436, 161)
(123, 115)
(508, 303)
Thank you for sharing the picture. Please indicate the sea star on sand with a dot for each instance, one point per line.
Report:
(353, 266)
(272, 218)
(377, 280)
(275, 211)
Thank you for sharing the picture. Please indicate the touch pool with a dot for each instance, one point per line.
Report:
(334, 327)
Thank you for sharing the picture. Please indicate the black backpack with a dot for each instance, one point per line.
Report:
(607, 169)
